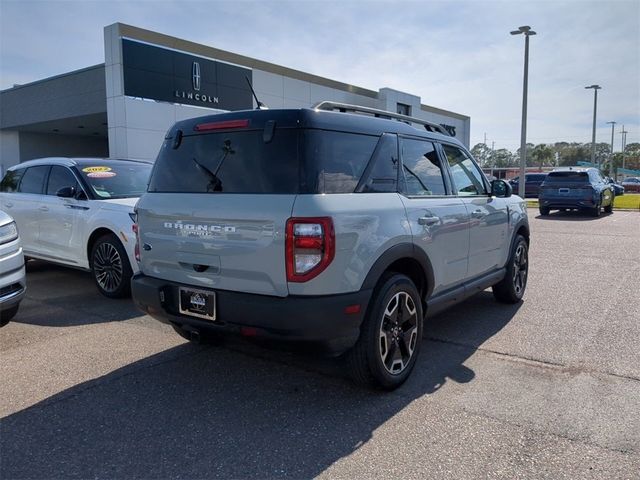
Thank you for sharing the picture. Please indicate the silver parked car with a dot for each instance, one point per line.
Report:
(12, 274)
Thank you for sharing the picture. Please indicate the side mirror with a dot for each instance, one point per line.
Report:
(501, 189)
(66, 192)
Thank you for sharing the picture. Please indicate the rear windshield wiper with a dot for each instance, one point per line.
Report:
(215, 184)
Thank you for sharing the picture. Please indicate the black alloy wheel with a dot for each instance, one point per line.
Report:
(390, 335)
(511, 288)
(110, 267)
(398, 333)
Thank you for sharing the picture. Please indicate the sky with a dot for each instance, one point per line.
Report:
(456, 55)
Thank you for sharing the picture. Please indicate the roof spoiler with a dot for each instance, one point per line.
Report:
(347, 108)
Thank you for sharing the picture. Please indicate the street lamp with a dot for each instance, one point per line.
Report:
(624, 146)
(593, 135)
(611, 169)
(523, 133)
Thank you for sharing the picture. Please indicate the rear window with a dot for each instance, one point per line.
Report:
(228, 162)
(567, 177)
(293, 161)
(335, 161)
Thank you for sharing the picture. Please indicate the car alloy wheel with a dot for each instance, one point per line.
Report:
(520, 269)
(107, 267)
(398, 333)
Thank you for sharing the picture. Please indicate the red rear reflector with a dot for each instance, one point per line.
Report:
(309, 242)
(248, 331)
(201, 127)
(352, 309)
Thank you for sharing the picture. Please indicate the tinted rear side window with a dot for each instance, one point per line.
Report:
(382, 174)
(335, 161)
(422, 169)
(567, 177)
(11, 180)
(33, 179)
(229, 162)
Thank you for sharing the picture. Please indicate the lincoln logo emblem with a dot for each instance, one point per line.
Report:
(196, 76)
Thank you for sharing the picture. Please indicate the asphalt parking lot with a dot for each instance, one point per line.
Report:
(549, 388)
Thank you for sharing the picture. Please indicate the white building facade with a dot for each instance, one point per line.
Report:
(123, 108)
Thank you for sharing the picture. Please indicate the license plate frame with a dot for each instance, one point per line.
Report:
(197, 303)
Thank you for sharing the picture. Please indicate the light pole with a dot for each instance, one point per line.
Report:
(624, 145)
(523, 133)
(593, 135)
(611, 169)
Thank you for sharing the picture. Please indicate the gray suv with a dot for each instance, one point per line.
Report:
(322, 226)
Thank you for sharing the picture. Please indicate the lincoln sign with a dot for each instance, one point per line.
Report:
(160, 74)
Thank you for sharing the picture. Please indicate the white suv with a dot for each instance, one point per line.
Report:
(12, 282)
(77, 212)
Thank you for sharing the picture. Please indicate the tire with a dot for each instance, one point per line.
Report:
(511, 288)
(609, 208)
(595, 211)
(6, 314)
(544, 211)
(386, 351)
(110, 267)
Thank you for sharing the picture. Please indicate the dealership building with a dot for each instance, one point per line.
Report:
(123, 107)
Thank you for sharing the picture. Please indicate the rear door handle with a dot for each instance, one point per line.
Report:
(478, 214)
(428, 220)
(44, 208)
(8, 204)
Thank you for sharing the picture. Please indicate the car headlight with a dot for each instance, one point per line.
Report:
(8, 233)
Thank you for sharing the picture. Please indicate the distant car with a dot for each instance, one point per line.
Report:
(12, 275)
(576, 188)
(632, 184)
(618, 189)
(532, 182)
(77, 212)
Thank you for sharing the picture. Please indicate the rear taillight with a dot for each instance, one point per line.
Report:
(136, 230)
(310, 247)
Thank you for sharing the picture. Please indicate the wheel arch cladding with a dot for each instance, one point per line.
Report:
(407, 259)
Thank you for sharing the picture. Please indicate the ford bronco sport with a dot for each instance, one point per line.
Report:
(323, 226)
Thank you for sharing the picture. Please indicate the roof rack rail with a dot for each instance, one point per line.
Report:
(345, 107)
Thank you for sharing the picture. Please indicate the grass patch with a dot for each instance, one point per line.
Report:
(628, 201)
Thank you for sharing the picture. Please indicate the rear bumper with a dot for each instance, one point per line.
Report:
(319, 319)
(560, 202)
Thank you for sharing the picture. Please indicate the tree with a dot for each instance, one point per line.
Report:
(482, 154)
(503, 158)
(542, 155)
(529, 159)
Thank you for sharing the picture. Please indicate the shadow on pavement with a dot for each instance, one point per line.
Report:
(63, 297)
(572, 215)
(230, 412)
